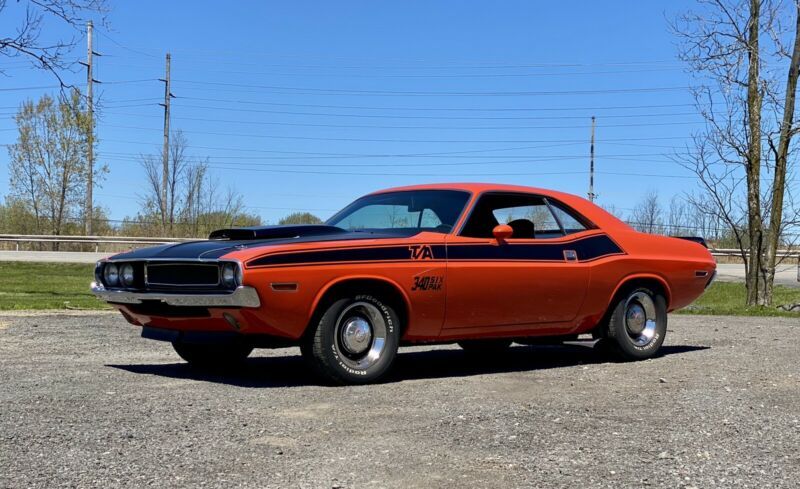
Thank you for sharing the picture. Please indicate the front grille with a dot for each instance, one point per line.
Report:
(182, 274)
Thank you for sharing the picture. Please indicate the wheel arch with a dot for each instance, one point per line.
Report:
(387, 289)
(641, 280)
(634, 280)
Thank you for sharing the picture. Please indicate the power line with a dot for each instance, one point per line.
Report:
(314, 138)
(20, 89)
(313, 90)
(505, 174)
(360, 155)
(50, 87)
(374, 126)
(417, 109)
(439, 63)
(437, 117)
(372, 74)
(633, 157)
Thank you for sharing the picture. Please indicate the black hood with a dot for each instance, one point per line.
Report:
(275, 232)
(252, 238)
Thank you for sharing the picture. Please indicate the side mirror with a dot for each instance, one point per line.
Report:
(502, 232)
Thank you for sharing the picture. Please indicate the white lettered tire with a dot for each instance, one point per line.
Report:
(638, 324)
(354, 341)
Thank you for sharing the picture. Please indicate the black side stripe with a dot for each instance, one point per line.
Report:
(587, 249)
(381, 253)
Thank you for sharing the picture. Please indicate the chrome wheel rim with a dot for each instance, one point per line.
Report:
(360, 336)
(640, 318)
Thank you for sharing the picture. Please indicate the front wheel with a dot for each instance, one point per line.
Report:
(217, 356)
(638, 324)
(355, 340)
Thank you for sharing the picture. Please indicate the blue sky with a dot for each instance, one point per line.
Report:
(307, 105)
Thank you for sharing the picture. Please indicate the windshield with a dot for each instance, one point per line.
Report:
(416, 210)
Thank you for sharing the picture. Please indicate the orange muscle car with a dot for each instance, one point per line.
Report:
(479, 264)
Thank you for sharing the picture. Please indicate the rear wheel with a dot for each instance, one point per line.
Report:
(638, 324)
(355, 340)
(216, 356)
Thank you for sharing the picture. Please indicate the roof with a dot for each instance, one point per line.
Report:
(593, 212)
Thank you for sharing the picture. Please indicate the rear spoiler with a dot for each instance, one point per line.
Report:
(696, 239)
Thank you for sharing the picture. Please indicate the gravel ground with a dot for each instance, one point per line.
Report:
(86, 403)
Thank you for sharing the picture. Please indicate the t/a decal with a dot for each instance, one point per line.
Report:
(429, 282)
(421, 252)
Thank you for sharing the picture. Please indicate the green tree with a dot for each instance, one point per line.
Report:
(48, 162)
(300, 218)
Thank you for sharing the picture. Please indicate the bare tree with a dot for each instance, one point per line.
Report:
(47, 167)
(27, 39)
(195, 204)
(677, 217)
(736, 48)
(648, 215)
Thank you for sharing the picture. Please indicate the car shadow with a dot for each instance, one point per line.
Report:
(291, 371)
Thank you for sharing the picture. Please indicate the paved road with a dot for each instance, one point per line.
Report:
(52, 256)
(733, 272)
(86, 403)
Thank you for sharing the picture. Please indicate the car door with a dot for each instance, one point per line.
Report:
(533, 278)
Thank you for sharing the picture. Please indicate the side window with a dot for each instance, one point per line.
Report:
(570, 223)
(381, 216)
(429, 219)
(528, 215)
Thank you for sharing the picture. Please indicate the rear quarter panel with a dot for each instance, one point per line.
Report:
(672, 262)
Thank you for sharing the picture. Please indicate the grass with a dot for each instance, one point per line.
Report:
(727, 299)
(47, 286)
(66, 286)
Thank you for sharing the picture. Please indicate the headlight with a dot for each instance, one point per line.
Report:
(98, 272)
(126, 274)
(229, 274)
(111, 275)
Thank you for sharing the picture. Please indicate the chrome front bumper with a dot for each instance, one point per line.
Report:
(242, 296)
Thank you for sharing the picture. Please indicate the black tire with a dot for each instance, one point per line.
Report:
(638, 324)
(212, 356)
(485, 347)
(338, 347)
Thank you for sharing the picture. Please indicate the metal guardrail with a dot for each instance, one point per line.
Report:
(95, 240)
(738, 253)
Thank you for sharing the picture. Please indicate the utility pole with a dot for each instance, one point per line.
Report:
(165, 156)
(591, 166)
(89, 210)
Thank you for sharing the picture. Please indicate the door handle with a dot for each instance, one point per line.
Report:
(570, 255)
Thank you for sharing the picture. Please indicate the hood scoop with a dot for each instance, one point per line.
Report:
(275, 232)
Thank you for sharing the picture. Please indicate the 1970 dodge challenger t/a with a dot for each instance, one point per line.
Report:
(482, 265)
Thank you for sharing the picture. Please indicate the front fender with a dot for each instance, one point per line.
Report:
(340, 281)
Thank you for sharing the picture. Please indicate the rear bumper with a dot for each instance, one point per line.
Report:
(242, 296)
(711, 280)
